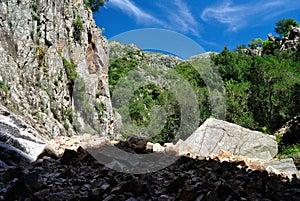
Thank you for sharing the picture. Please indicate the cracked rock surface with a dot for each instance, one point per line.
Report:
(214, 135)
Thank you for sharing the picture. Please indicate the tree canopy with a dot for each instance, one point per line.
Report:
(283, 26)
(256, 43)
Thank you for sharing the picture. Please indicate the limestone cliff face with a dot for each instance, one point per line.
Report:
(52, 53)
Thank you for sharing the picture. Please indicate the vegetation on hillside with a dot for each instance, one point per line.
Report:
(262, 92)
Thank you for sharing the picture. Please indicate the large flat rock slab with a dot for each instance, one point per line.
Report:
(215, 135)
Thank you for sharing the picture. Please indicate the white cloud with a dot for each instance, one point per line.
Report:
(130, 8)
(237, 16)
(184, 18)
(176, 16)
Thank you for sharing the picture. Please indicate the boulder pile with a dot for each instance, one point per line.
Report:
(76, 175)
(222, 167)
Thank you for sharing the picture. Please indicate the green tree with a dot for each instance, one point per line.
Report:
(232, 65)
(262, 91)
(273, 81)
(239, 48)
(270, 46)
(256, 43)
(283, 26)
(94, 4)
(237, 100)
(120, 67)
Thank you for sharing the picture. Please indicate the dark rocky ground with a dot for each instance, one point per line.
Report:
(78, 176)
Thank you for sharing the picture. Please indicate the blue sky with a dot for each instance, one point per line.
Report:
(210, 23)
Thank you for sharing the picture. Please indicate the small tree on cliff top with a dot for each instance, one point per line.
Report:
(283, 26)
(94, 4)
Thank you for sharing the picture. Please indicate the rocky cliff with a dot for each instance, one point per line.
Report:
(289, 42)
(53, 66)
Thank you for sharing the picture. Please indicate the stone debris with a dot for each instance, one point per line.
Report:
(61, 143)
(63, 146)
(155, 147)
(67, 170)
(78, 176)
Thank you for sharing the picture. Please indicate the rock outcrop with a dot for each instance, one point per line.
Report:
(251, 51)
(291, 42)
(53, 59)
(215, 135)
(205, 55)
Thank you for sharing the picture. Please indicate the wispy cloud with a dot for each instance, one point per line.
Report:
(184, 18)
(237, 16)
(130, 8)
(177, 16)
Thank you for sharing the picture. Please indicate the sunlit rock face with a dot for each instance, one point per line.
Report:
(215, 135)
(45, 48)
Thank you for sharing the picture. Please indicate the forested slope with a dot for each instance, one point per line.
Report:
(260, 84)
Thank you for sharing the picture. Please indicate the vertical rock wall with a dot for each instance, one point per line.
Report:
(45, 48)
